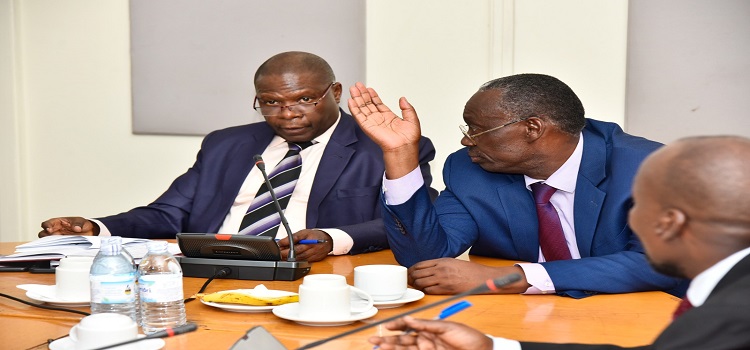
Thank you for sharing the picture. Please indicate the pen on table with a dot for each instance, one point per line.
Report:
(447, 312)
(310, 241)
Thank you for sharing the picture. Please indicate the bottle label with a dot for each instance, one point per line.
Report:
(113, 289)
(160, 288)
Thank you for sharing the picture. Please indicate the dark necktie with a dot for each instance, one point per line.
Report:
(684, 306)
(551, 237)
(261, 218)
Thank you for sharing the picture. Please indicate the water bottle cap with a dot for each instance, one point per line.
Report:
(111, 245)
(157, 246)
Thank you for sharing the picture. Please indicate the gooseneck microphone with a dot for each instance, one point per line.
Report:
(169, 332)
(490, 285)
(262, 167)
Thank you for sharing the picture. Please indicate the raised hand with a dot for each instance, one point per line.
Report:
(398, 137)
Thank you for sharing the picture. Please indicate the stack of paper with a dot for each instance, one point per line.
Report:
(58, 246)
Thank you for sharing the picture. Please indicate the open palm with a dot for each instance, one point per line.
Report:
(387, 129)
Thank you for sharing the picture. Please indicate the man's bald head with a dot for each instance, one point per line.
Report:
(691, 203)
(707, 177)
(295, 62)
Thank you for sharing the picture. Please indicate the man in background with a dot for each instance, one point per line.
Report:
(331, 196)
(691, 213)
(536, 182)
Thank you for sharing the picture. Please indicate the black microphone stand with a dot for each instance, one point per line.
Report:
(262, 166)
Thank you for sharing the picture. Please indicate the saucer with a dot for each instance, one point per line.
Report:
(43, 293)
(291, 312)
(408, 297)
(150, 344)
(238, 307)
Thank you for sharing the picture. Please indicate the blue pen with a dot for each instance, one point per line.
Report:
(311, 241)
(447, 312)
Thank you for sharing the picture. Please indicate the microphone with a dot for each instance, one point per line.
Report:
(491, 285)
(265, 270)
(169, 332)
(262, 167)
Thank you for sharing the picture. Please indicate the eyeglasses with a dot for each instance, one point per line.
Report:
(302, 107)
(465, 129)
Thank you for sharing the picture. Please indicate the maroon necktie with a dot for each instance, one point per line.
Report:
(551, 237)
(684, 306)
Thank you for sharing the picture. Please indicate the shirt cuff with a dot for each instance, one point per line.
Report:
(103, 230)
(342, 242)
(504, 344)
(398, 191)
(538, 278)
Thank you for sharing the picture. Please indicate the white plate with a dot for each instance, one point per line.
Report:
(259, 290)
(150, 344)
(239, 308)
(42, 293)
(408, 297)
(291, 312)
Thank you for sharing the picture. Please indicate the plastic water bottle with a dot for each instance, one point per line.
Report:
(112, 279)
(160, 283)
(136, 289)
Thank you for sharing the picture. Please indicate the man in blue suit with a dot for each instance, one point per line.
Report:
(523, 132)
(335, 198)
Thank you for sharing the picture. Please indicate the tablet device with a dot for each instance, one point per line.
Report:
(223, 246)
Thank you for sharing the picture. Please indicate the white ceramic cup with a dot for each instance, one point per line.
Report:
(325, 297)
(72, 278)
(98, 330)
(382, 282)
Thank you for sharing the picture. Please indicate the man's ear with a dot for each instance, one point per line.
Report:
(671, 224)
(337, 92)
(535, 127)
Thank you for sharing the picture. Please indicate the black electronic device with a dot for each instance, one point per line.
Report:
(222, 246)
(247, 257)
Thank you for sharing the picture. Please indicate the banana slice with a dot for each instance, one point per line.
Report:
(260, 296)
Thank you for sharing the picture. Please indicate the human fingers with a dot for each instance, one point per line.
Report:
(311, 253)
(362, 99)
(407, 111)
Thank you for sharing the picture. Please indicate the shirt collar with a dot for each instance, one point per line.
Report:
(703, 284)
(565, 177)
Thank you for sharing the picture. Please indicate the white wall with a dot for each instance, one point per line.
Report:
(67, 146)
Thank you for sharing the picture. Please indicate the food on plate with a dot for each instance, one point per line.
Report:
(260, 296)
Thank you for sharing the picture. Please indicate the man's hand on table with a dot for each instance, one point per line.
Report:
(452, 276)
(71, 225)
(308, 252)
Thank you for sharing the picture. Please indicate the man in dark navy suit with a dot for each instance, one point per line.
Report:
(335, 199)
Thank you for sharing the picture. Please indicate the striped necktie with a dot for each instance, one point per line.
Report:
(261, 218)
(551, 236)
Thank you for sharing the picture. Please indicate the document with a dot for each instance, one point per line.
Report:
(57, 247)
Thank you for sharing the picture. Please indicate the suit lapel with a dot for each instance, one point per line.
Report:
(588, 197)
(240, 162)
(335, 158)
(736, 272)
(519, 208)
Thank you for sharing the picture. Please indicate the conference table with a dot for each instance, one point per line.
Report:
(623, 319)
